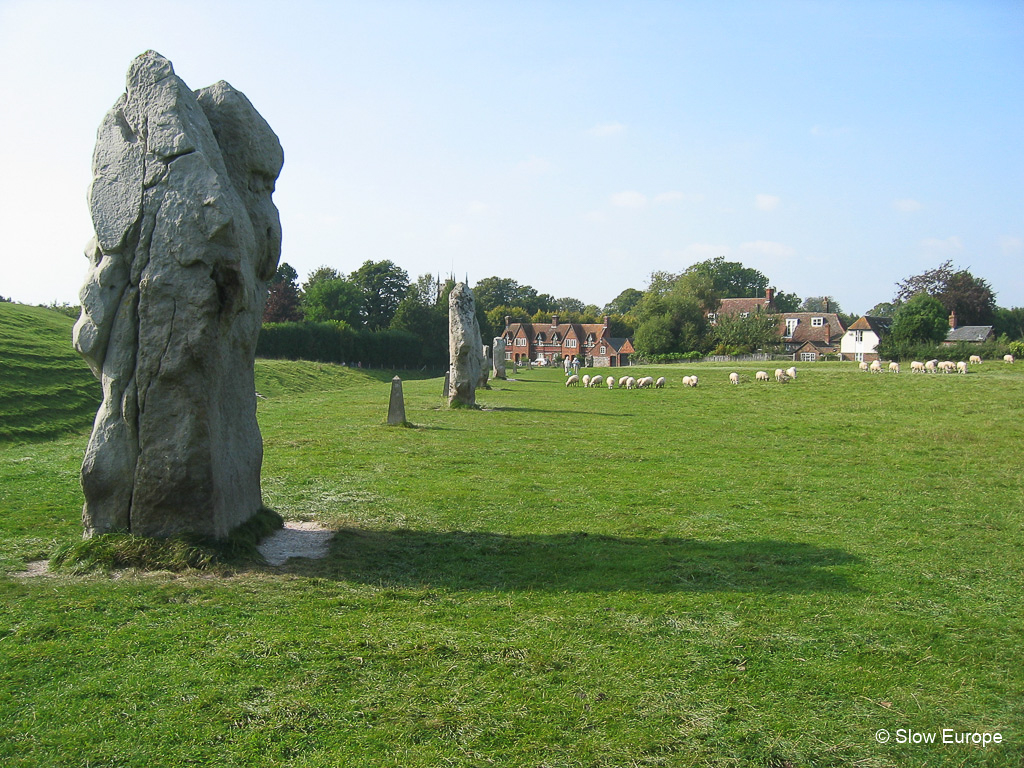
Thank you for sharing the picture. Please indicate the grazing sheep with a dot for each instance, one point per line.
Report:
(876, 366)
(622, 381)
(586, 380)
(572, 381)
(975, 360)
(779, 373)
(630, 382)
(947, 366)
(894, 367)
(611, 382)
(1007, 358)
(660, 383)
(734, 378)
(783, 378)
(791, 372)
(596, 381)
(930, 366)
(761, 376)
(645, 382)
(917, 367)
(961, 367)
(863, 366)
(693, 381)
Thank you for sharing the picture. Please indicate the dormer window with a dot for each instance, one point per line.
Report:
(791, 324)
(817, 322)
(540, 338)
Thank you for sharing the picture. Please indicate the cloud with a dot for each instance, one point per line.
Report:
(629, 199)
(607, 130)
(767, 202)
(906, 205)
(942, 247)
(674, 196)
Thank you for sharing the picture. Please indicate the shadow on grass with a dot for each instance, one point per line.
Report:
(578, 562)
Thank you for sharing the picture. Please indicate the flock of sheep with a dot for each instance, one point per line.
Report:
(781, 376)
(931, 366)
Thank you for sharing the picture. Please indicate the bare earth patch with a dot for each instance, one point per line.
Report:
(309, 540)
(35, 568)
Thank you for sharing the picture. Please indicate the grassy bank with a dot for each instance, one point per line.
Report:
(761, 575)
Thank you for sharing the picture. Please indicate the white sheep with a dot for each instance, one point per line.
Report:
(917, 367)
(761, 376)
(645, 382)
(961, 367)
(779, 373)
(863, 366)
(630, 382)
(929, 366)
(947, 366)
(1007, 358)
(693, 381)
(876, 366)
(586, 380)
(596, 381)
(975, 360)
(622, 381)
(791, 372)
(611, 382)
(572, 381)
(734, 378)
(660, 383)
(894, 367)
(783, 378)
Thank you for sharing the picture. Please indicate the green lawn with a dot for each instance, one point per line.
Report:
(761, 575)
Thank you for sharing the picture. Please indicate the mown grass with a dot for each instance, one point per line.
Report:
(762, 575)
(46, 389)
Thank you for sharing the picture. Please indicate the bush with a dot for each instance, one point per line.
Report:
(337, 342)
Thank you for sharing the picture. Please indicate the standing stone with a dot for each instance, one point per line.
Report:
(463, 346)
(187, 238)
(498, 357)
(485, 367)
(396, 406)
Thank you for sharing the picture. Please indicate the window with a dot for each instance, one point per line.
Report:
(520, 341)
(858, 335)
(712, 316)
(508, 355)
(808, 357)
(744, 315)
(858, 356)
(791, 324)
(817, 322)
(604, 350)
(540, 338)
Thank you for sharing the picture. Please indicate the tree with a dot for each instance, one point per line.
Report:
(1009, 322)
(383, 285)
(624, 302)
(569, 305)
(787, 302)
(672, 316)
(283, 296)
(319, 274)
(735, 334)
(883, 309)
(957, 289)
(332, 299)
(820, 304)
(732, 280)
(922, 319)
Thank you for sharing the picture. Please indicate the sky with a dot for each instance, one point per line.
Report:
(577, 147)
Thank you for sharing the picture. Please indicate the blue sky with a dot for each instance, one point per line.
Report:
(838, 147)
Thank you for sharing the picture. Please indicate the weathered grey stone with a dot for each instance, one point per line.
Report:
(187, 237)
(396, 405)
(485, 367)
(463, 346)
(498, 357)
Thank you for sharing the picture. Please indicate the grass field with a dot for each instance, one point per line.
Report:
(762, 575)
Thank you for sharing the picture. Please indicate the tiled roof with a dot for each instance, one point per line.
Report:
(739, 306)
(969, 333)
(880, 325)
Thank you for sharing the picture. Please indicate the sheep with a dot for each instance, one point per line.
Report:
(630, 382)
(572, 381)
(863, 366)
(1007, 358)
(693, 381)
(686, 381)
(611, 382)
(660, 383)
(644, 382)
(975, 360)
(894, 367)
(930, 366)
(596, 381)
(876, 366)
(761, 376)
(622, 381)
(586, 380)
(734, 378)
(779, 373)
(947, 366)
(917, 367)
(783, 378)
(961, 367)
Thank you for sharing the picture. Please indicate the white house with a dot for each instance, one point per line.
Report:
(860, 342)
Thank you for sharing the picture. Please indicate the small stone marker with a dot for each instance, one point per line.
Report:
(396, 408)
(498, 357)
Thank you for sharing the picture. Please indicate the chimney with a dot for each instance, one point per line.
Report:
(769, 295)
(952, 319)
(826, 303)
(606, 321)
(554, 321)
(828, 327)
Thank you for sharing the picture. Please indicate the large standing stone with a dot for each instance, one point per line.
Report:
(485, 367)
(498, 357)
(463, 346)
(187, 238)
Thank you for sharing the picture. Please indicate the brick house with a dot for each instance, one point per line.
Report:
(542, 341)
(806, 335)
(744, 307)
(969, 334)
